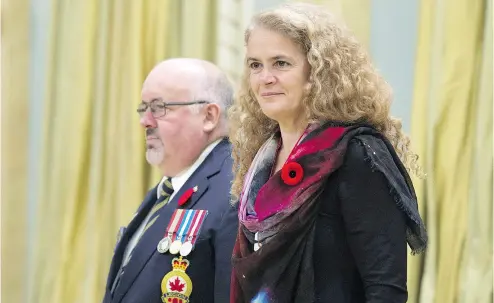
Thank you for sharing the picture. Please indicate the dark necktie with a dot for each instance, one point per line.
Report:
(166, 191)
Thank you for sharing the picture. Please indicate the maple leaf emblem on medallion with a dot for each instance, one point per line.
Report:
(177, 285)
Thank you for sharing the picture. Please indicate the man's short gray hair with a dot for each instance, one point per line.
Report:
(217, 88)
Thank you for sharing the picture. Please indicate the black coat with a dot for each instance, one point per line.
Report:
(360, 252)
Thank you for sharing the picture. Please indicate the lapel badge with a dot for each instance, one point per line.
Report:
(176, 285)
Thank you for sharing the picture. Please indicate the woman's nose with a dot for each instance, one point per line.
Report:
(267, 76)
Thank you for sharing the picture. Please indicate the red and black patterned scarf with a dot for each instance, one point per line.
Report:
(284, 207)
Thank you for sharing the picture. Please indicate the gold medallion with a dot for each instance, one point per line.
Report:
(176, 285)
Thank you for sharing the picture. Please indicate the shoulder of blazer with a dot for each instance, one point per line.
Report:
(219, 157)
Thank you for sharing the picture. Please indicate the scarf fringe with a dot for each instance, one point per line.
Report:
(417, 239)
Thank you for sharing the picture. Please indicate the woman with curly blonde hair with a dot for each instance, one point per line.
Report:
(326, 205)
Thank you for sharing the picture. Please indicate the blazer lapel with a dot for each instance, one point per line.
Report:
(141, 214)
(143, 251)
(202, 179)
(149, 241)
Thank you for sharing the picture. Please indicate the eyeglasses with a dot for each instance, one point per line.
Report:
(159, 108)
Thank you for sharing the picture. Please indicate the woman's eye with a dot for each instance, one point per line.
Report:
(255, 65)
(282, 63)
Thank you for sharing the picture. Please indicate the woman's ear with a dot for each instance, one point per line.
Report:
(307, 87)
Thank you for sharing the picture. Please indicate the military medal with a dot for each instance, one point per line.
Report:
(182, 231)
(176, 285)
(172, 228)
(165, 243)
(187, 247)
(175, 247)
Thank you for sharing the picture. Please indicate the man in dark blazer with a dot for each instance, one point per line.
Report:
(186, 219)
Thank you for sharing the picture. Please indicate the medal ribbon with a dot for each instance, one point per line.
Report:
(196, 225)
(172, 228)
(185, 224)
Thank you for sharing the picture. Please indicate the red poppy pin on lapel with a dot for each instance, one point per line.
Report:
(186, 196)
(292, 173)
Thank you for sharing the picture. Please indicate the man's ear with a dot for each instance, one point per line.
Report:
(212, 117)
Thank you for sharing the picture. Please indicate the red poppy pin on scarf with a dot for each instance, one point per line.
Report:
(292, 173)
(186, 196)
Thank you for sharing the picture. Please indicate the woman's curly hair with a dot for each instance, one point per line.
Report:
(345, 86)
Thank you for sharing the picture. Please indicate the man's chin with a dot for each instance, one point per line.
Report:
(154, 157)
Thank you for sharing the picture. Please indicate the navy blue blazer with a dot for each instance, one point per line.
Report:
(210, 261)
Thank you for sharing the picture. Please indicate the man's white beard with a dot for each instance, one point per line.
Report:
(154, 156)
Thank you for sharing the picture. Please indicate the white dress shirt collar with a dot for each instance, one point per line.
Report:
(179, 180)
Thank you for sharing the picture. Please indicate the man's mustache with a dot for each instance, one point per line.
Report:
(151, 132)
